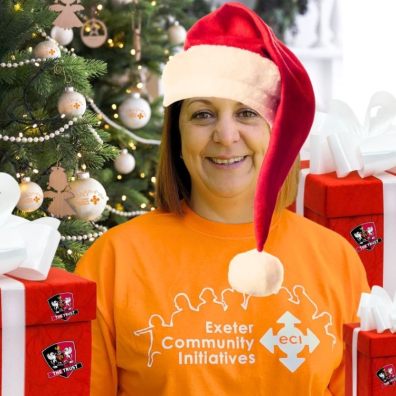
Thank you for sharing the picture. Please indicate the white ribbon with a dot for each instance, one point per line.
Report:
(342, 144)
(27, 248)
(389, 236)
(13, 337)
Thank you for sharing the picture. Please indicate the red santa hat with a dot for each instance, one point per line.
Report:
(231, 53)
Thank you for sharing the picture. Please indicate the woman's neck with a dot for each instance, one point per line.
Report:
(236, 210)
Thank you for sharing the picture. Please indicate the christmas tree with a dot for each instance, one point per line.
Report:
(47, 136)
(135, 38)
(281, 14)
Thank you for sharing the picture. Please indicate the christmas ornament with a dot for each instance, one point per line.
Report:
(59, 194)
(67, 18)
(47, 49)
(90, 197)
(93, 33)
(137, 36)
(31, 195)
(177, 34)
(125, 162)
(71, 103)
(135, 112)
(61, 35)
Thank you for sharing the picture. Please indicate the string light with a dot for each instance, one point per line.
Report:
(18, 7)
(123, 198)
(142, 175)
(153, 179)
(143, 205)
(133, 51)
(114, 106)
(115, 115)
(99, 7)
(119, 177)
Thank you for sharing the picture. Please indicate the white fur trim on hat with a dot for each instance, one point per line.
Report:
(223, 72)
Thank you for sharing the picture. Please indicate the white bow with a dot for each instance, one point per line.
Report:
(343, 144)
(27, 248)
(377, 311)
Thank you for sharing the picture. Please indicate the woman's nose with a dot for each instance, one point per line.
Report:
(226, 131)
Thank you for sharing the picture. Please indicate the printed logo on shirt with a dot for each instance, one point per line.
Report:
(290, 340)
(365, 236)
(61, 357)
(62, 305)
(203, 334)
(387, 375)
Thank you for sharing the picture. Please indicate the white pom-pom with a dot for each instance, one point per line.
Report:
(255, 273)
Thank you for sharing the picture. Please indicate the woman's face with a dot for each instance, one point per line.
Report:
(223, 145)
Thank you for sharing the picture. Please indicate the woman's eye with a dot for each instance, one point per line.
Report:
(201, 115)
(247, 114)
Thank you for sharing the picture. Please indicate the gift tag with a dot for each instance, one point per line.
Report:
(9, 196)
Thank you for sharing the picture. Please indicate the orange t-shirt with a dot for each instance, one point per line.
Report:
(169, 324)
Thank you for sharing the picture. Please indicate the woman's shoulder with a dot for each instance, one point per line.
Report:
(147, 223)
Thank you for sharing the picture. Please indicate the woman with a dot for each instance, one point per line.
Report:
(173, 317)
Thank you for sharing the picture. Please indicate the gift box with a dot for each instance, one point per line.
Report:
(354, 208)
(46, 335)
(374, 370)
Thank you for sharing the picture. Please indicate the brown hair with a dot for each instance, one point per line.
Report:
(173, 180)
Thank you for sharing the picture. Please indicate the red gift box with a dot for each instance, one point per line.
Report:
(352, 207)
(57, 334)
(376, 362)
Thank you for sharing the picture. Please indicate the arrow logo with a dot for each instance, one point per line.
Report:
(290, 340)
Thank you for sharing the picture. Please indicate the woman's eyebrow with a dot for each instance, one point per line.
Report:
(191, 101)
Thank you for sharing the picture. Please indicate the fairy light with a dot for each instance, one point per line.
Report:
(139, 85)
(123, 198)
(120, 45)
(140, 67)
(34, 35)
(119, 177)
(107, 126)
(18, 7)
(133, 51)
(79, 155)
(115, 115)
(166, 51)
(114, 106)
(128, 91)
(142, 175)
(153, 179)
(69, 251)
(30, 49)
(143, 205)
(83, 167)
(72, 178)
(36, 171)
(153, 3)
(99, 7)
(132, 145)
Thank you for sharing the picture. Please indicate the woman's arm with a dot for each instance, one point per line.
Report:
(98, 264)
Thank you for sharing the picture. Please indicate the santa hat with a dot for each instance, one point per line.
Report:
(231, 53)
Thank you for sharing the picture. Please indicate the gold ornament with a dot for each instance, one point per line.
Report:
(93, 33)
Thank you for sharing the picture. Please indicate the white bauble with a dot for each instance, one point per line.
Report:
(90, 197)
(177, 34)
(125, 162)
(135, 112)
(72, 103)
(47, 49)
(61, 35)
(31, 195)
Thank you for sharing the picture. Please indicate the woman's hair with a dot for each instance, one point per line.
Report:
(173, 180)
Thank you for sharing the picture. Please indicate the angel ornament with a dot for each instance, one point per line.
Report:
(60, 193)
(67, 18)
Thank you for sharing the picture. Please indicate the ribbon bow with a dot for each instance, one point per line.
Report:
(377, 311)
(343, 144)
(26, 247)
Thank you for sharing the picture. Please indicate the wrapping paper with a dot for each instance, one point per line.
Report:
(42, 323)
